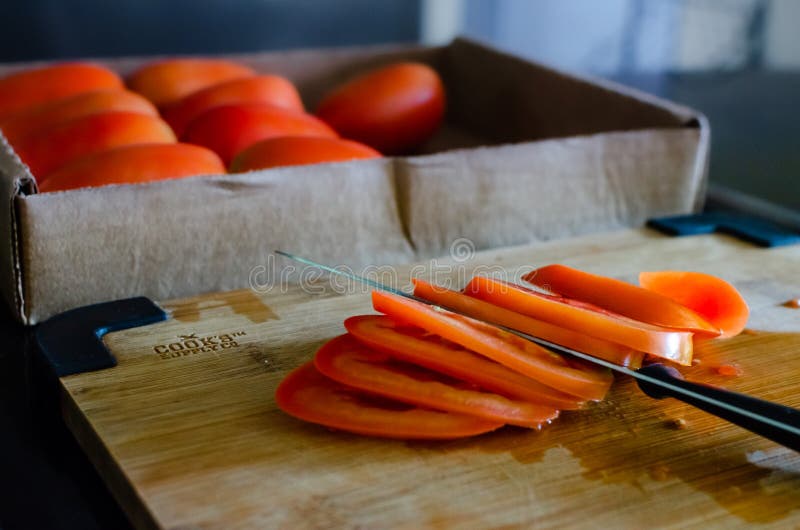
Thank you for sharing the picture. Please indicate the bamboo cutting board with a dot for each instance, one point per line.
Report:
(188, 436)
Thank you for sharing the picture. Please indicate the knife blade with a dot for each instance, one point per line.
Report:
(774, 421)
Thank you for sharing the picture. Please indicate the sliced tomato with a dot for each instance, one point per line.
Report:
(417, 346)
(621, 298)
(585, 318)
(715, 299)
(349, 362)
(480, 310)
(308, 395)
(525, 357)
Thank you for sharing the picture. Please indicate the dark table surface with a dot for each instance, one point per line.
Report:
(46, 482)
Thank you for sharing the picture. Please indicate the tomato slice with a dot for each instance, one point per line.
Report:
(523, 356)
(417, 346)
(308, 395)
(586, 318)
(349, 362)
(715, 299)
(621, 298)
(478, 309)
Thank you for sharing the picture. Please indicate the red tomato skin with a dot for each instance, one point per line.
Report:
(132, 164)
(229, 129)
(43, 117)
(393, 109)
(72, 139)
(271, 89)
(299, 150)
(27, 89)
(168, 81)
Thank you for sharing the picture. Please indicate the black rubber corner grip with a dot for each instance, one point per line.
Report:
(72, 342)
(747, 227)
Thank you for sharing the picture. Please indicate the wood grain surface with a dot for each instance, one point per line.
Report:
(186, 432)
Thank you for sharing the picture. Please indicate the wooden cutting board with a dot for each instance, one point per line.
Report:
(191, 438)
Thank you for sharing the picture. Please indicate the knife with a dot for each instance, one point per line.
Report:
(773, 421)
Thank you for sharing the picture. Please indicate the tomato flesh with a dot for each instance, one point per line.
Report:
(308, 395)
(487, 312)
(416, 346)
(715, 299)
(345, 360)
(521, 355)
(620, 297)
(583, 317)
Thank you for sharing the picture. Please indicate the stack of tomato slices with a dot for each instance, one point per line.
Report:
(420, 371)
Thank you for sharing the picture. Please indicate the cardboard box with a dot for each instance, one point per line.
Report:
(527, 153)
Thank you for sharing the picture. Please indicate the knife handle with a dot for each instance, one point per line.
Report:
(779, 423)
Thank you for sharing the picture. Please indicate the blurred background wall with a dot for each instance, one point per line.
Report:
(736, 60)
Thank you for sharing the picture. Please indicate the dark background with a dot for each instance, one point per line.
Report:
(52, 29)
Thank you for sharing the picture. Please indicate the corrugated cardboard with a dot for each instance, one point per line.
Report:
(527, 153)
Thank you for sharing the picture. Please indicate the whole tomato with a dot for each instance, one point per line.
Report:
(25, 90)
(168, 81)
(131, 164)
(229, 129)
(393, 109)
(299, 150)
(271, 89)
